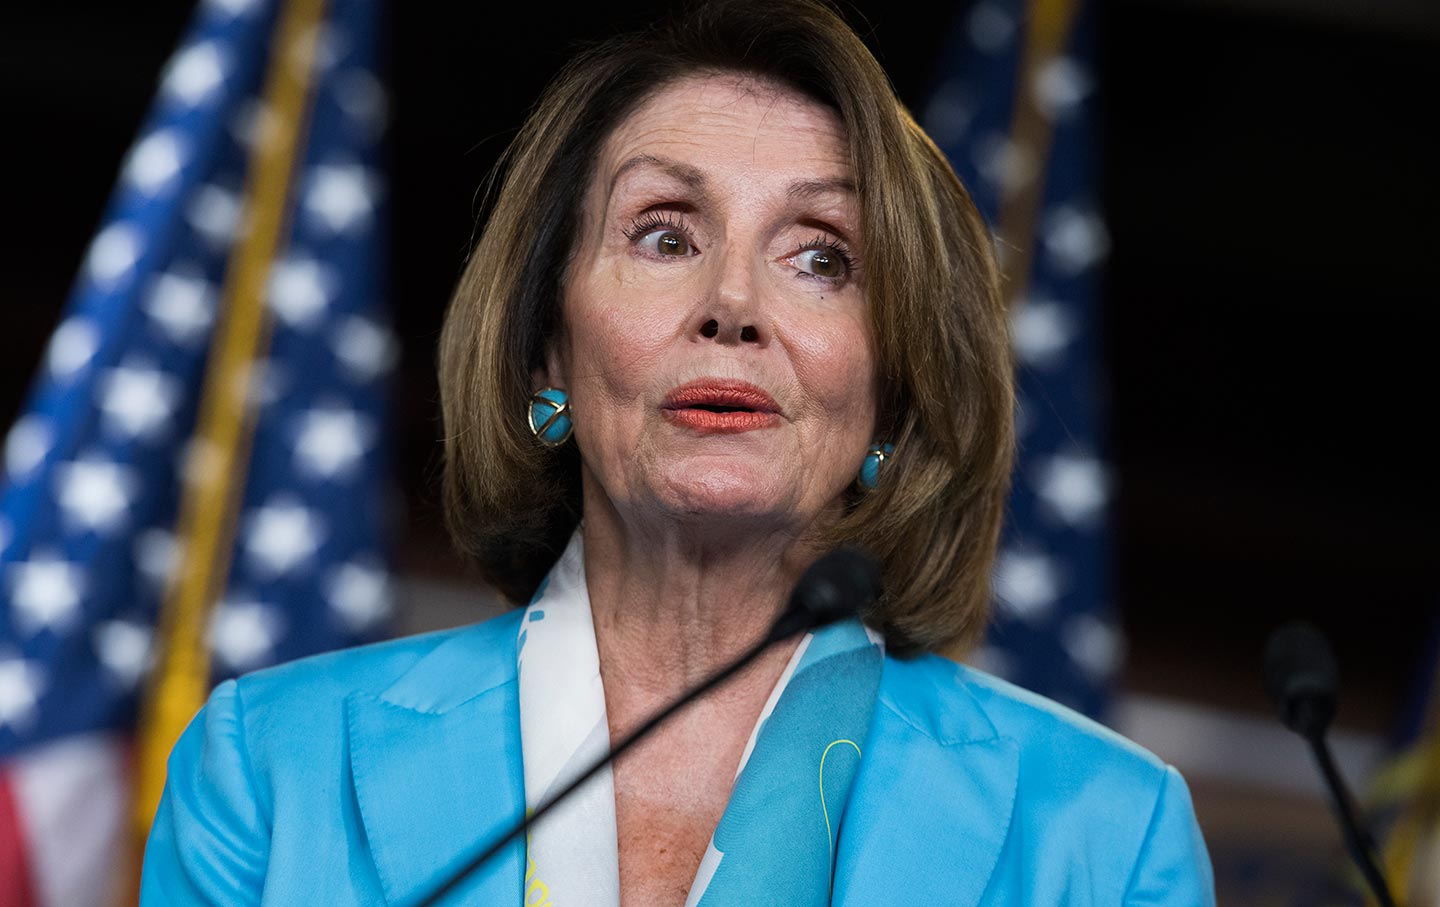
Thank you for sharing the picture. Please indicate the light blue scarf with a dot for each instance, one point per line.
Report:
(777, 838)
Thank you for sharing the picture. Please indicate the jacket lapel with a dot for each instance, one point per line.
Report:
(437, 771)
(931, 807)
(436, 765)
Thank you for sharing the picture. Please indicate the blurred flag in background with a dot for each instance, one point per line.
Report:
(1406, 795)
(1014, 113)
(196, 486)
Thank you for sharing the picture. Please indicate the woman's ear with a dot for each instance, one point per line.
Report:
(551, 371)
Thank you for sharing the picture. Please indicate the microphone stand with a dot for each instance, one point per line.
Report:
(1302, 679)
(1356, 840)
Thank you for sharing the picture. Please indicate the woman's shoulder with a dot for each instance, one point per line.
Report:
(956, 703)
(300, 692)
(964, 758)
(271, 756)
(1064, 783)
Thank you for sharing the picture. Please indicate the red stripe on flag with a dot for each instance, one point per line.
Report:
(16, 889)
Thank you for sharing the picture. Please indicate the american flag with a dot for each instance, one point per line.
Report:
(1014, 113)
(1404, 794)
(210, 406)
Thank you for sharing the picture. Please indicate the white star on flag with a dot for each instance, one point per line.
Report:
(20, 686)
(113, 254)
(243, 633)
(71, 347)
(124, 648)
(155, 161)
(94, 493)
(363, 99)
(1074, 487)
(330, 440)
(261, 382)
(1005, 163)
(157, 554)
(990, 27)
(137, 400)
(1040, 331)
(949, 113)
(1027, 584)
(1060, 86)
(232, 8)
(365, 349)
(253, 123)
(1075, 239)
(328, 45)
(359, 592)
(45, 592)
(216, 213)
(340, 197)
(281, 535)
(181, 303)
(1094, 645)
(26, 445)
(300, 289)
(194, 74)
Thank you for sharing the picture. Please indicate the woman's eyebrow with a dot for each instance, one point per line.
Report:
(801, 190)
(692, 177)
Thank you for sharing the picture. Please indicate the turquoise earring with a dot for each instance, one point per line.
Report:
(549, 414)
(873, 464)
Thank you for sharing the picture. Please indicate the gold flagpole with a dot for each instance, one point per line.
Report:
(215, 470)
(1047, 30)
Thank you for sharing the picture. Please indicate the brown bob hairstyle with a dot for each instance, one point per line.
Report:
(932, 286)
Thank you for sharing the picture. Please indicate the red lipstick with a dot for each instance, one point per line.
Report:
(717, 406)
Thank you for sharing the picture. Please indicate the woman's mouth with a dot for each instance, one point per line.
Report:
(714, 406)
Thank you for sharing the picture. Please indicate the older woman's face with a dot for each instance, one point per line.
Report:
(715, 339)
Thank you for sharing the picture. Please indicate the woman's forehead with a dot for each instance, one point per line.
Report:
(727, 123)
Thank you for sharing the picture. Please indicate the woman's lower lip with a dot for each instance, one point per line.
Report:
(707, 422)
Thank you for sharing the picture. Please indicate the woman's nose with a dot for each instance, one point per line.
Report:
(732, 314)
(729, 330)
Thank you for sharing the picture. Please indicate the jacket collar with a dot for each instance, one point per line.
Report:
(435, 762)
(932, 805)
(436, 765)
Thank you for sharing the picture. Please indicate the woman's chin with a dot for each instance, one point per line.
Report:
(726, 492)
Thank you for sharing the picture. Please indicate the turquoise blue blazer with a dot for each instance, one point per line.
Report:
(365, 776)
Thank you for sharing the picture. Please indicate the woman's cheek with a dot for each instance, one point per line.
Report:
(616, 341)
(628, 339)
(832, 356)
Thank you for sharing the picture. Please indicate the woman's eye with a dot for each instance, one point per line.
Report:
(668, 242)
(823, 263)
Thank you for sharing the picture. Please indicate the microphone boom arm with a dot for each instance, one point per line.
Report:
(782, 630)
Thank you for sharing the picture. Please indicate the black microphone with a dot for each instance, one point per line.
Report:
(836, 587)
(1303, 681)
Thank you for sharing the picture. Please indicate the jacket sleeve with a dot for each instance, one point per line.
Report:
(210, 841)
(1172, 868)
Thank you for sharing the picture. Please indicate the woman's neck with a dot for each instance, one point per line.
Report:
(672, 606)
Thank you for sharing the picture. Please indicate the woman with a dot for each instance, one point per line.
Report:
(731, 309)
